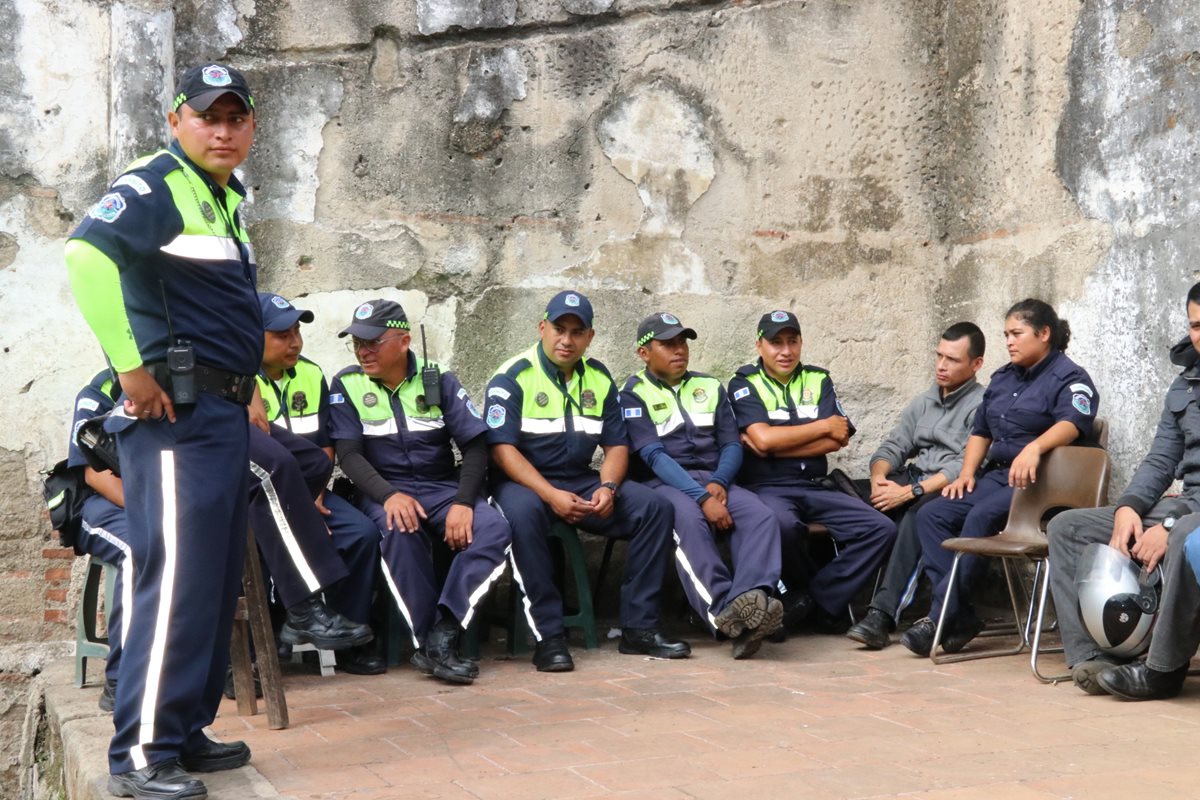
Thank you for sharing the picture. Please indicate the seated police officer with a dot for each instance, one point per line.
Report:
(791, 419)
(103, 532)
(293, 391)
(1148, 527)
(921, 456)
(393, 418)
(682, 427)
(547, 411)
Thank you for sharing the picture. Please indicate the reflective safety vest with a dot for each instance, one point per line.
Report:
(375, 411)
(548, 408)
(697, 397)
(294, 402)
(798, 402)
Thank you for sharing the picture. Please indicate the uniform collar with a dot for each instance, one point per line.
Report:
(408, 375)
(650, 377)
(551, 369)
(1037, 369)
(218, 191)
(799, 369)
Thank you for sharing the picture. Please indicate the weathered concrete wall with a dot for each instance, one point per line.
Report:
(882, 167)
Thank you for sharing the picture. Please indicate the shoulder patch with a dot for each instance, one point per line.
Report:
(337, 398)
(740, 393)
(496, 415)
(86, 404)
(1082, 388)
(631, 413)
(470, 406)
(1082, 404)
(499, 391)
(462, 394)
(108, 208)
(133, 182)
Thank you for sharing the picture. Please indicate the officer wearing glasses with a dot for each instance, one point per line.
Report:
(393, 430)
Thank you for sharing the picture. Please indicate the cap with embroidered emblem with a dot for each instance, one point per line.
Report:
(374, 318)
(662, 326)
(569, 302)
(200, 86)
(280, 315)
(775, 321)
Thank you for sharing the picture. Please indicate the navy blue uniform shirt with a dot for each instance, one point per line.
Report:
(411, 452)
(797, 405)
(212, 303)
(565, 454)
(1021, 404)
(92, 401)
(691, 446)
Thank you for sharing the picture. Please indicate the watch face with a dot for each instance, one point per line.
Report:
(1169, 523)
(918, 490)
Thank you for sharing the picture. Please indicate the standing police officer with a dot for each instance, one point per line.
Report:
(548, 410)
(164, 274)
(393, 419)
(791, 418)
(682, 427)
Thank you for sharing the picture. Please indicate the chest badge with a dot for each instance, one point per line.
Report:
(588, 398)
(299, 402)
(207, 210)
(541, 399)
(659, 406)
(370, 400)
(422, 406)
(806, 397)
(699, 395)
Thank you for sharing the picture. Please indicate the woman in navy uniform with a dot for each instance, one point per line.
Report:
(1039, 401)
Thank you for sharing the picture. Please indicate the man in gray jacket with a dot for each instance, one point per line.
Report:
(1152, 529)
(919, 457)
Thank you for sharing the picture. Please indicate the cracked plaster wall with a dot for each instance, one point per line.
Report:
(884, 168)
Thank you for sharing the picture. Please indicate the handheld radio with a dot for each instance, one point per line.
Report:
(431, 377)
(181, 361)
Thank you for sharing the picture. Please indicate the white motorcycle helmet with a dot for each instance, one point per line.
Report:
(1118, 601)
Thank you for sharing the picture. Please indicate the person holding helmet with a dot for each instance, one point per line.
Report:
(1154, 531)
(1040, 400)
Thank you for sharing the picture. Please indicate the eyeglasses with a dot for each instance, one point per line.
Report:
(369, 345)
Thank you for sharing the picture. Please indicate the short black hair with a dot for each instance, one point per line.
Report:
(977, 344)
(1194, 294)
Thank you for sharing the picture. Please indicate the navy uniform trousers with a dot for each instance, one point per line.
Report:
(408, 557)
(707, 581)
(640, 515)
(904, 565)
(863, 535)
(105, 535)
(983, 512)
(305, 551)
(185, 506)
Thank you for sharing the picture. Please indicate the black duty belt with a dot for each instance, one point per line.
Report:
(224, 384)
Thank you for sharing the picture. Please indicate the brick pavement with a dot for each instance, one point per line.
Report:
(814, 718)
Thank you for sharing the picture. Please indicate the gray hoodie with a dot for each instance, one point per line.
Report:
(933, 431)
(1175, 452)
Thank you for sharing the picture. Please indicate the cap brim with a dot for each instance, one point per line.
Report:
(570, 312)
(202, 101)
(286, 319)
(363, 331)
(672, 332)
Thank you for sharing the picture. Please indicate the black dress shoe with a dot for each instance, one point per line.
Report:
(1139, 682)
(312, 622)
(229, 690)
(165, 780)
(552, 655)
(872, 630)
(961, 631)
(361, 661)
(108, 697)
(439, 655)
(649, 642)
(798, 606)
(831, 624)
(216, 756)
(919, 638)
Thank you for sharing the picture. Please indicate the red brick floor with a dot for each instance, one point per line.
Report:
(813, 718)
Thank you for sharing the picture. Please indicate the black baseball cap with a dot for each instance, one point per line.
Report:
(278, 314)
(374, 318)
(569, 302)
(199, 87)
(662, 326)
(775, 321)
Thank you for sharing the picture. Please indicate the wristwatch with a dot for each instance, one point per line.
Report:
(612, 487)
(918, 490)
(1169, 523)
